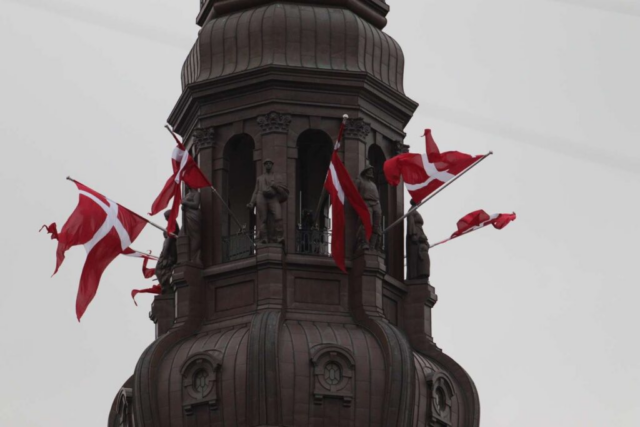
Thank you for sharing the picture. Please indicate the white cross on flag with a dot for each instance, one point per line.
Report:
(425, 173)
(106, 230)
(186, 170)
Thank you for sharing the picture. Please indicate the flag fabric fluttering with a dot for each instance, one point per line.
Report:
(425, 173)
(340, 187)
(155, 289)
(106, 230)
(147, 272)
(186, 170)
(479, 219)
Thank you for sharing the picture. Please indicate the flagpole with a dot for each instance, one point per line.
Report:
(224, 203)
(453, 238)
(253, 243)
(410, 211)
(138, 215)
(153, 257)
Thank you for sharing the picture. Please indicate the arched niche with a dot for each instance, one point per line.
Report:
(314, 155)
(239, 185)
(376, 159)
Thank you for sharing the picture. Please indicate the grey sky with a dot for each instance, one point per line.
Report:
(542, 314)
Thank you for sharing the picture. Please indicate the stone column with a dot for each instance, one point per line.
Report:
(204, 143)
(354, 156)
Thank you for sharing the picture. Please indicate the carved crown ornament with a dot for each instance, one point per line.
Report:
(274, 122)
(333, 371)
(357, 128)
(204, 138)
(200, 383)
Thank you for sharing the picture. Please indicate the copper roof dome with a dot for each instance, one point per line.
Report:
(294, 35)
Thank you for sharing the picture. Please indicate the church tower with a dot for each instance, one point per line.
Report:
(271, 333)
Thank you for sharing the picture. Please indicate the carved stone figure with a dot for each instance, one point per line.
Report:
(369, 191)
(267, 197)
(418, 261)
(168, 259)
(191, 224)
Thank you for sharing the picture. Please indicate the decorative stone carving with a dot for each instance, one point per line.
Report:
(440, 394)
(357, 129)
(333, 370)
(369, 191)
(124, 408)
(200, 381)
(191, 226)
(270, 192)
(399, 147)
(168, 259)
(204, 138)
(274, 122)
(418, 260)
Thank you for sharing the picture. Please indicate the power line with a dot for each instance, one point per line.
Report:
(533, 138)
(86, 15)
(605, 5)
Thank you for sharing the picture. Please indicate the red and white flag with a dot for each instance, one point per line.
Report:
(425, 173)
(479, 219)
(155, 290)
(340, 187)
(147, 272)
(186, 170)
(106, 230)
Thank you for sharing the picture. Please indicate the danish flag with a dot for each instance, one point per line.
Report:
(186, 170)
(425, 173)
(479, 219)
(340, 187)
(106, 230)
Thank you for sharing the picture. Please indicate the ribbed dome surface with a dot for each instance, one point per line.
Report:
(294, 35)
(295, 343)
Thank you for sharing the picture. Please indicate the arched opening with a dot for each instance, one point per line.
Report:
(377, 159)
(241, 179)
(314, 154)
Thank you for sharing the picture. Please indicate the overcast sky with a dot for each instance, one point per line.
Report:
(542, 314)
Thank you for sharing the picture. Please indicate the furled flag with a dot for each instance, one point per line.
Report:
(147, 272)
(478, 219)
(186, 170)
(425, 173)
(155, 289)
(106, 230)
(340, 186)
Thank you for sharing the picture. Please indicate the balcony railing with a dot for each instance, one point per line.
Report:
(313, 241)
(237, 246)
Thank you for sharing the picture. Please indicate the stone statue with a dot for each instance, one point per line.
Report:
(191, 224)
(168, 259)
(418, 261)
(369, 191)
(267, 198)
